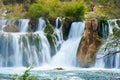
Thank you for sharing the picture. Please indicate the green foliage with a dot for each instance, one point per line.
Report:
(51, 39)
(116, 33)
(110, 9)
(76, 10)
(37, 10)
(25, 76)
(49, 29)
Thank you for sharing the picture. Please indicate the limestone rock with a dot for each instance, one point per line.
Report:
(10, 28)
(89, 44)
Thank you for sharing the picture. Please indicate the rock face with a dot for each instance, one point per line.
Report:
(89, 44)
(10, 28)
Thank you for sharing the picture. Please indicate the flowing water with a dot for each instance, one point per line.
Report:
(112, 60)
(21, 48)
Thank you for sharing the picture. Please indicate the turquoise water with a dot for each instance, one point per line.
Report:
(78, 74)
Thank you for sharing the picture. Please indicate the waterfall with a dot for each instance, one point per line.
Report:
(111, 60)
(3, 23)
(41, 24)
(17, 49)
(104, 31)
(23, 25)
(58, 32)
(66, 56)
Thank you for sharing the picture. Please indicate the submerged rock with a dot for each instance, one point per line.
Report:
(59, 68)
(89, 44)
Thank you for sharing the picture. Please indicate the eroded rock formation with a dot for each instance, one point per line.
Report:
(89, 44)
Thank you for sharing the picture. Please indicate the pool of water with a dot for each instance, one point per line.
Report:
(71, 74)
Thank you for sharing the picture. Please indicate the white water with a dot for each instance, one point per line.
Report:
(58, 33)
(41, 24)
(67, 54)
(112, 60)
(3, 23)
(17, 49)
(23, 25)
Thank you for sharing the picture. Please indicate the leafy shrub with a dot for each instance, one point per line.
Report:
(37, 10)
(55, 7)
(76, 10)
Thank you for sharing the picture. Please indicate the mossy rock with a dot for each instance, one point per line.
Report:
(10, 28)
(66, 28)
(116, 33)
(49, 29)
(51, 39)
(104, 21)
(118, 22)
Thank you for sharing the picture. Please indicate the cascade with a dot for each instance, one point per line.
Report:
(112, 60)
(17, 49)
(104, 31)
(58, 32)
(23, 25)
(66, 56)
(112, 24)
(3, 23)
(41, 24)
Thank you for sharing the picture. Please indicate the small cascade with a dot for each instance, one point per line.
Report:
(17, 49)
(41, 24)
(3, 23)
(112, 24)
(106, 58)
(66, 56)
(58, 32)
(104, 31)
(23, 25)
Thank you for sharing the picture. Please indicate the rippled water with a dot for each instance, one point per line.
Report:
(75, 74)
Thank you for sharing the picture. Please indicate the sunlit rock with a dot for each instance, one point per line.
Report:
(89, 44)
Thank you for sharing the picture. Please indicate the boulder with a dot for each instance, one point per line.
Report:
(10, 28)
(89, 44)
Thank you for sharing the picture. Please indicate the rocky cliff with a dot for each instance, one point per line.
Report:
(89, 44)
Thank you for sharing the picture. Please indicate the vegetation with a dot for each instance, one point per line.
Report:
(75, 9)
(64, 8)
(49, 29)
(37, 10)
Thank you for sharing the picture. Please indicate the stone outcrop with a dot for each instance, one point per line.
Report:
(10, 28)
(89, 44)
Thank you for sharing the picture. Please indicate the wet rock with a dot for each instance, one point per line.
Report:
(33, 23)
(59, 68)
(10, 28)
(89, 44)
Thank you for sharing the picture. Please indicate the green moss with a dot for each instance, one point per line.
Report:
(49, 29)
(51, 39)
(116, 33)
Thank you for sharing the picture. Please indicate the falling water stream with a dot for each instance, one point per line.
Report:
(21, 48)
